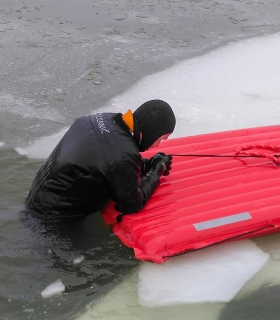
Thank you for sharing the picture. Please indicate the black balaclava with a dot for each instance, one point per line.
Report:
(154, 119)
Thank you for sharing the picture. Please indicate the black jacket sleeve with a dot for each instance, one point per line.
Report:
(128, 194)
(146, 187)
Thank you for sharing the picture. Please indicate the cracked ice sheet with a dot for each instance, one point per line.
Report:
(215, 274)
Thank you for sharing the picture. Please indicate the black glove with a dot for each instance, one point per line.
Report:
(160, 165)
(150, 164)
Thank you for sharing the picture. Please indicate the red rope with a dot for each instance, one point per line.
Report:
(273, 157)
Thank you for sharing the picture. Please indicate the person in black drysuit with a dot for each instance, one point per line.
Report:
(98, 159)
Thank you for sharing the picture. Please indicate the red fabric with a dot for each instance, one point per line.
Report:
(200, 189)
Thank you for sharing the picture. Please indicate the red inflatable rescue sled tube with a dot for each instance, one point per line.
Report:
(206, 200)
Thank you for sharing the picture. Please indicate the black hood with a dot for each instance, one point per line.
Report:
(154, 119)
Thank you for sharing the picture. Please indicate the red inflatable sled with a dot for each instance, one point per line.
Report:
(224, 187)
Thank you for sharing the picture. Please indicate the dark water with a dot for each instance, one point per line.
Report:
(63, 59)
(34, 254)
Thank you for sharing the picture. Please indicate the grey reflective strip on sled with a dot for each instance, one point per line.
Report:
(222, 221)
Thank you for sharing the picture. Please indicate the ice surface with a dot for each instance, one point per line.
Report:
(21, 151)
(215, 274)
(41, 148)
(233, 87)
(79, 259)
(53, 289)
(27, 108)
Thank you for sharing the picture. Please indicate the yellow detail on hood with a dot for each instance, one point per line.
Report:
(128, 119)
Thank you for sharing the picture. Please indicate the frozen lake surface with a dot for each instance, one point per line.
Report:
(61, 61)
